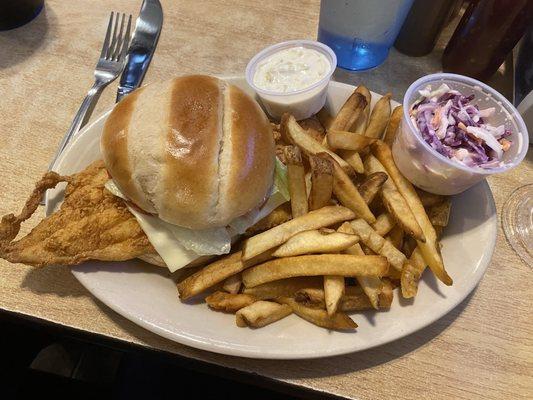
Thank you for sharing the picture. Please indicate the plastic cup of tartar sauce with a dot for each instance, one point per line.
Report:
(292, 77)
(435, 173)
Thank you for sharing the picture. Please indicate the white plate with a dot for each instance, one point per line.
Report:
(147, 295)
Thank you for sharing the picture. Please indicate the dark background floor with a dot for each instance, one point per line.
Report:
(37, 360)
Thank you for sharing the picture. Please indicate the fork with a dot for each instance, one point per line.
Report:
(109, 66)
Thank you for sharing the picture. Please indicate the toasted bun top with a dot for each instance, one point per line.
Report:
(195, 150)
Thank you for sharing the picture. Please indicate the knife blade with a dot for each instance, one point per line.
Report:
(142, 47)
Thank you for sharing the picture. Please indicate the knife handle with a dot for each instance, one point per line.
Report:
(121, 92)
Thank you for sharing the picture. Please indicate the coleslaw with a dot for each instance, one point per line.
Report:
(453, 126)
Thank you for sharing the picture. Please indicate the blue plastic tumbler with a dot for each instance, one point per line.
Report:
(361, 32)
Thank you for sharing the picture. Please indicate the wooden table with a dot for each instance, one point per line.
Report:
(481, 349)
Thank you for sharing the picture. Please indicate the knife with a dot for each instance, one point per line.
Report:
(142, 47)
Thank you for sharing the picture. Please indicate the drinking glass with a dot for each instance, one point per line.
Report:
(517, 216)
(361, 32)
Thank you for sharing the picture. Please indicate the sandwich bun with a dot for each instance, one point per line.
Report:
(194, 150)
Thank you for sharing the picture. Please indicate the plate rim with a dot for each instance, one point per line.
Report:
(220, 348)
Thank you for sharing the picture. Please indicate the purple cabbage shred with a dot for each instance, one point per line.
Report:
(459, 130)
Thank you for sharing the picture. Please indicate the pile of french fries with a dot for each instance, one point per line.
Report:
(354, 230)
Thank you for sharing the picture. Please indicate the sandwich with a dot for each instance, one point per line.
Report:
(188, 165)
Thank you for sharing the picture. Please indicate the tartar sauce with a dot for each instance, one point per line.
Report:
(291, 69)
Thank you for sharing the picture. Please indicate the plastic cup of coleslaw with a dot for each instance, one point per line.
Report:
(303, 102)
(436, 173)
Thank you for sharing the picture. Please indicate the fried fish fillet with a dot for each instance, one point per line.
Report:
(91, 224)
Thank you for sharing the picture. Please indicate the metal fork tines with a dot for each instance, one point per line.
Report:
(113, 54)
(108, 68)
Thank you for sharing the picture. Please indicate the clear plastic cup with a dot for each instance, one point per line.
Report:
(361, 32)
(301, 103)
(435, 173)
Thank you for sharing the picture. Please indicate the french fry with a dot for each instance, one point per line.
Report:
(228, 302)
(394, 201)
(210, 275)
(362, 122)
(354, 298)
(325, 118)
(395, 236)
(409, 244)
(346, 120)
(344, 140)
(398, 208)
(394, 274)
(378, 244)
(359, 301)
(313, 265)
(417, 260)
(338, 321)
(232, 284)
(277, 217)
(371, 285)
(353, 159)
(355, 303)
(311, 297)
(316, 135)
(428, 248)
(321, 181)
(411, 273)
(348, 195)
(315, 241)
(284, 287)
(296, 177)
(349, 113)
(377, 206)
(313, 126)
(261, 313)
(365, 92)
(333, 292)
(315, 297)
(439, 214)
(429, 199)
(371, 186)
(384, 223)
(324, 143)
(284, 131)
(297, 135)
(386, 296)
(379, 117)
(368, 251)
(392, 127)
(278, 235)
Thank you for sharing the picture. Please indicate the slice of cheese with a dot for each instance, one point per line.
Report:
(203, 242)
(173, 253)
